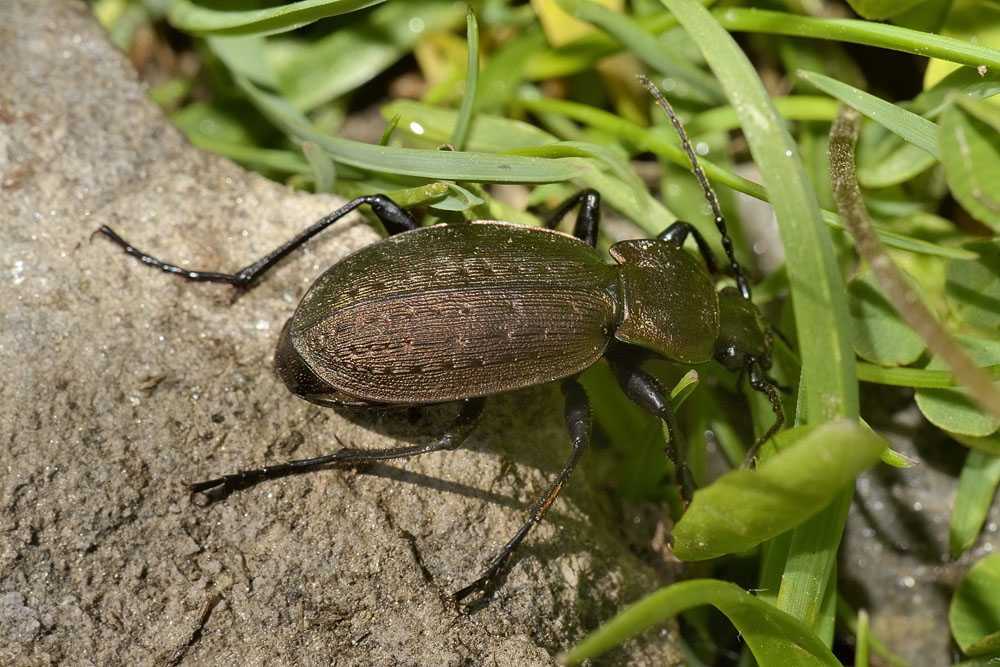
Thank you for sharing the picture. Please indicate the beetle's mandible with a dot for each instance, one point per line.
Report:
(457, 312)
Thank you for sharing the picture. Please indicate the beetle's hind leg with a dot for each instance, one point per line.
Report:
(587, 221)
(472, 410)
(578, 424)
(395, 219)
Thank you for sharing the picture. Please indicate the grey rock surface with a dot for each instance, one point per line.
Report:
(121, 383)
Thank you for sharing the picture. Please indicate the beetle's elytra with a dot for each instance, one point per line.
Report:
(486, 307)
(458, 312)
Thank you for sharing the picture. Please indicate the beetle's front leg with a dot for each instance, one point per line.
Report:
(395, 219)
(578, 423)
(759, 382)
(678, 232)
(472, 410)
(647, 392)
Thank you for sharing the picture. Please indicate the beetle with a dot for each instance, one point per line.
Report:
(458, 312)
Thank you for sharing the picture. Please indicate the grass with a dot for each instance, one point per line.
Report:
(521, 96)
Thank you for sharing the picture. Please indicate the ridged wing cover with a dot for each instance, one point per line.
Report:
(455, 311)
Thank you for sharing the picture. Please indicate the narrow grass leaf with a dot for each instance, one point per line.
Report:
(464, 117)
(846, 615)
(692, 82)
(977, 487)
(197, 19)
(915, 377)
(322, 166)
(818, 295)
(487, 134)
(644, 139)
(859, 32)
(437, 165)
(260, 158)
(864, 635)
(791, 107)
(913, 128)
(774, 637)
(390, 127)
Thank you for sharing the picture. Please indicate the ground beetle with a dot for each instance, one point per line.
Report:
(457, 312)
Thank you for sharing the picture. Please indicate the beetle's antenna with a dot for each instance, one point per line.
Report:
(713, 201)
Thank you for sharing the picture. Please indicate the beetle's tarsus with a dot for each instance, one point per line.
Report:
(579, 421)
(395, 219)
(760, 382)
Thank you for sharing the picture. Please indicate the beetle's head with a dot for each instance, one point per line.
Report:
(744, 334)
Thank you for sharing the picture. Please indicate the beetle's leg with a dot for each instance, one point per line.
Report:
(456, 434)
(395, 218)
(647, 392)
(678, 232)
(760, 383)
(578, 423)
(587, 220)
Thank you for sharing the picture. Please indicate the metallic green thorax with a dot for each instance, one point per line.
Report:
(670, 303)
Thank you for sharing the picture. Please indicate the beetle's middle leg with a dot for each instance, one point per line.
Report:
(648, 393)
(587, 221)
(472, 410)
(395, 218)
(578, 423)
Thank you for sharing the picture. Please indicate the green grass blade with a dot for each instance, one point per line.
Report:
(859, 32)
(864, 639)
(818, 294)
(646, 140)
(461, 131)
(977, 487)
(437, 165)
(323, 168)
(846, 615)
(817, 290)
(189, 17)
(918, 378)
(792, 107)
(261, 158)
(774, 638)
(487, 134)
(692, 81)
(911, 127)
(741, 509)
